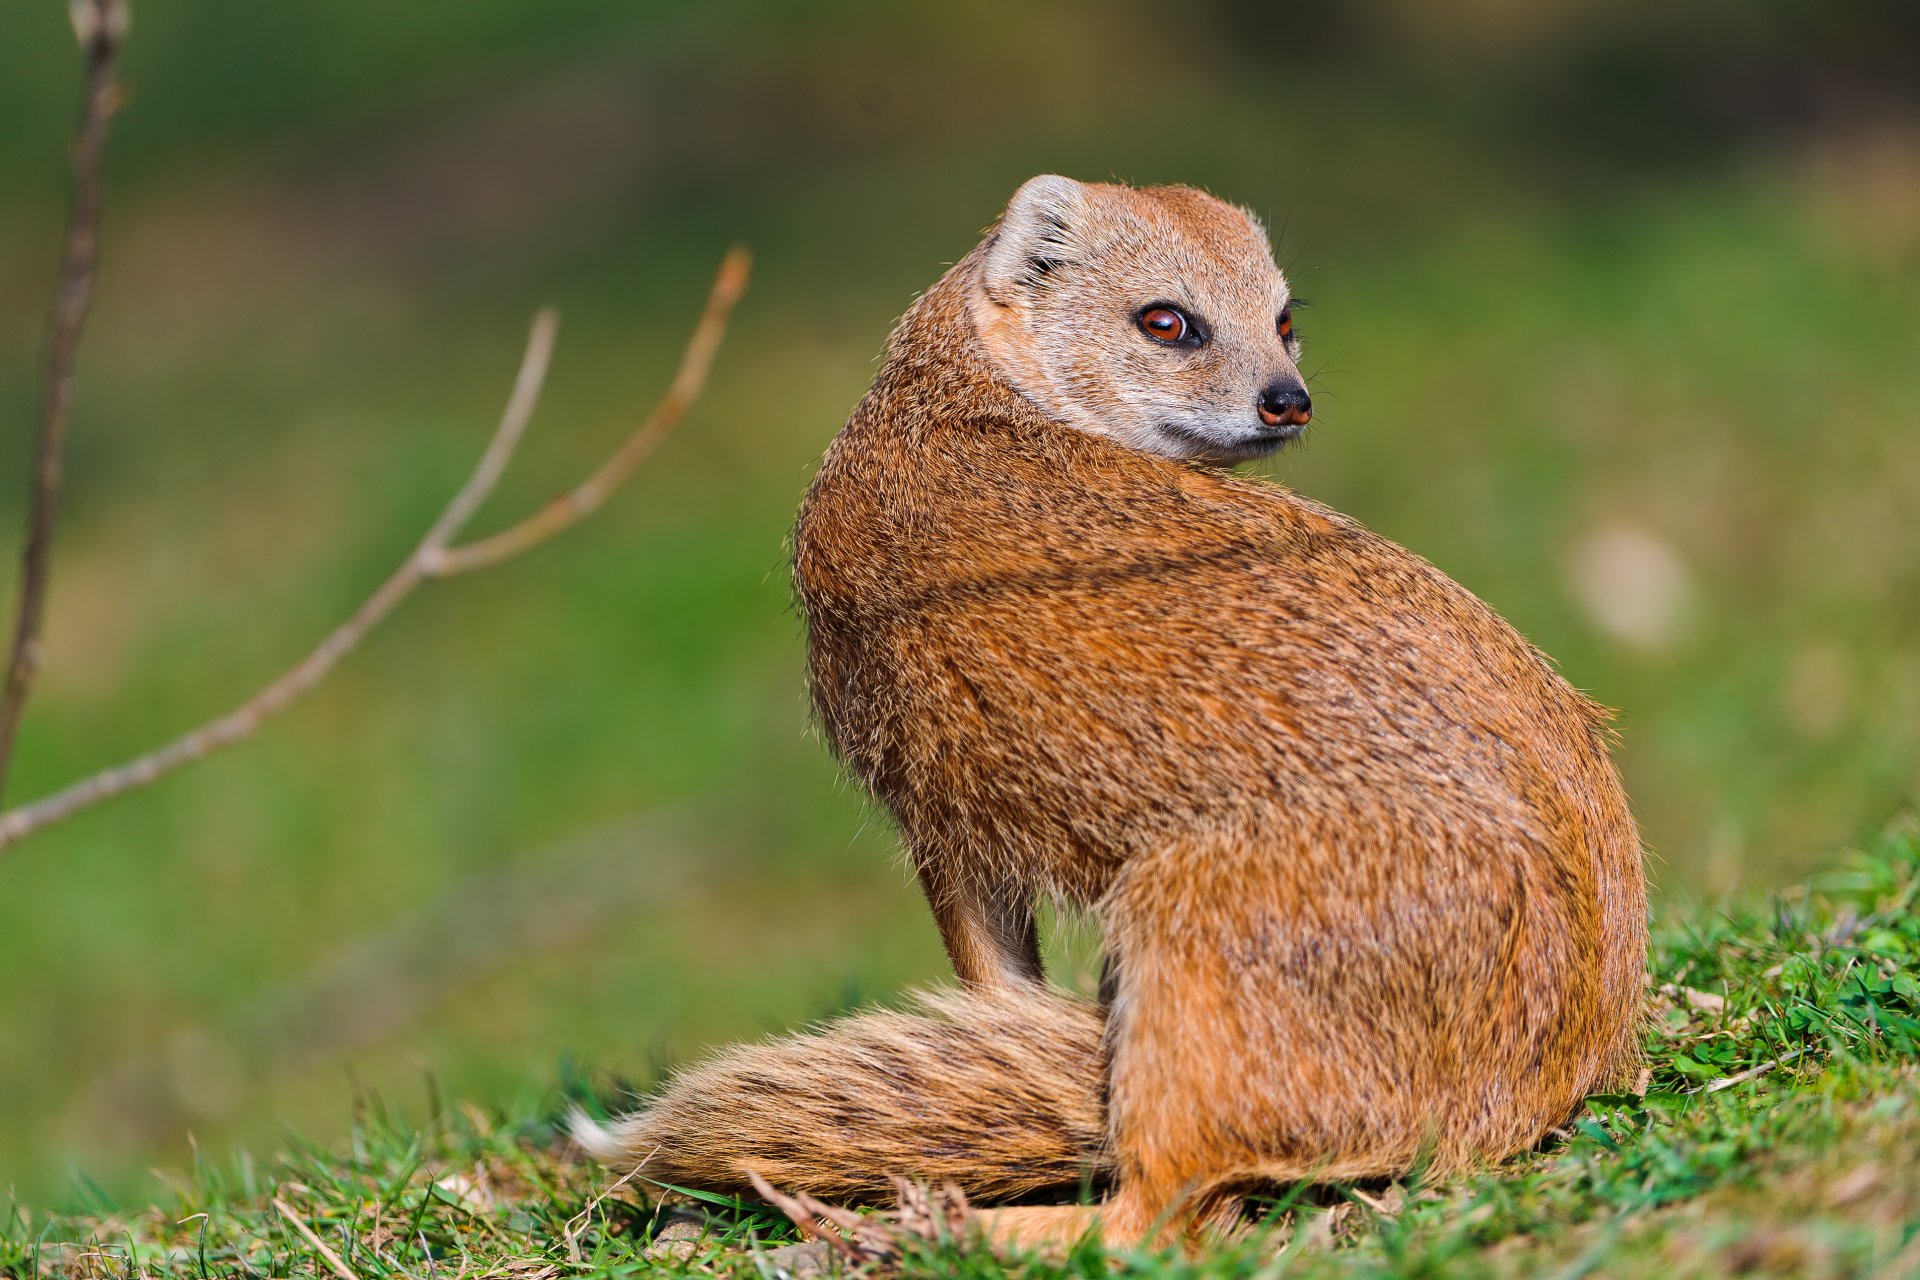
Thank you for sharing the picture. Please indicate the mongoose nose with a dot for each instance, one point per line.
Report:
(1285, 403)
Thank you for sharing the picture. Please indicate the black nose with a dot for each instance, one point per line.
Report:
(1285, 403)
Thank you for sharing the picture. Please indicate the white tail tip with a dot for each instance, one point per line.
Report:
(596, 1139)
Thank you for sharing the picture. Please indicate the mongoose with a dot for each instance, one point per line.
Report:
(1370, 889)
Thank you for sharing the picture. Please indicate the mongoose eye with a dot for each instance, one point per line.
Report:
(1165, 324)
(1284, 325)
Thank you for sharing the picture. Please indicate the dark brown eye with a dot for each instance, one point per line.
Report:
(1164, 324)
(1284, 325)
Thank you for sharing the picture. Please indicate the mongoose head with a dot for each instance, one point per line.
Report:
(1155, 316)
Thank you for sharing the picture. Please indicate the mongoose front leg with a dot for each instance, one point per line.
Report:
(990, 931)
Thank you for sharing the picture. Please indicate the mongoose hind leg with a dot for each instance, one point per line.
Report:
(990, 931)
(1050, 1229)
(1243, 1046)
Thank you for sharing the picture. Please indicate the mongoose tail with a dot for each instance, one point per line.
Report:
(996, 1091)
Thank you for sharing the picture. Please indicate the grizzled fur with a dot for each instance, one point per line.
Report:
(995, 1094)
(1369, 884)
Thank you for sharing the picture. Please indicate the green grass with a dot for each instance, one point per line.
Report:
(1776, 1132)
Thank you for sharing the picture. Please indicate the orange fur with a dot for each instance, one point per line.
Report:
(1371, 890)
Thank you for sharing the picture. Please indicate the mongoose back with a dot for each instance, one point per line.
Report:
(1370, 889)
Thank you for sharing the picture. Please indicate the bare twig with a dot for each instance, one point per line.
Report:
(299, 1224)
(578, 503)
(578, 1222)
(432, 558)
(101, 26)
(1751, 1073)
(922, 1214)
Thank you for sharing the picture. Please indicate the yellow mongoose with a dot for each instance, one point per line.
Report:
(1369, 886)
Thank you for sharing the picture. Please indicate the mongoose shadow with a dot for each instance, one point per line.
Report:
(1369, 884)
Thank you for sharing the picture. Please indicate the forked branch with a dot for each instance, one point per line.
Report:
(435, 556)
(586, 498)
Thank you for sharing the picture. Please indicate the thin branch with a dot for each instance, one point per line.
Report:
(1751, 1073)
(428, 560)
(577, 504)
(101, 26)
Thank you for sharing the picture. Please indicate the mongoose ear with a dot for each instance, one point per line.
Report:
(1035, 235)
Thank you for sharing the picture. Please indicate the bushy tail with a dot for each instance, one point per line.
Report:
(998, 1092)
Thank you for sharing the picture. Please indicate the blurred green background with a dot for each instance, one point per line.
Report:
(1616, 318)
